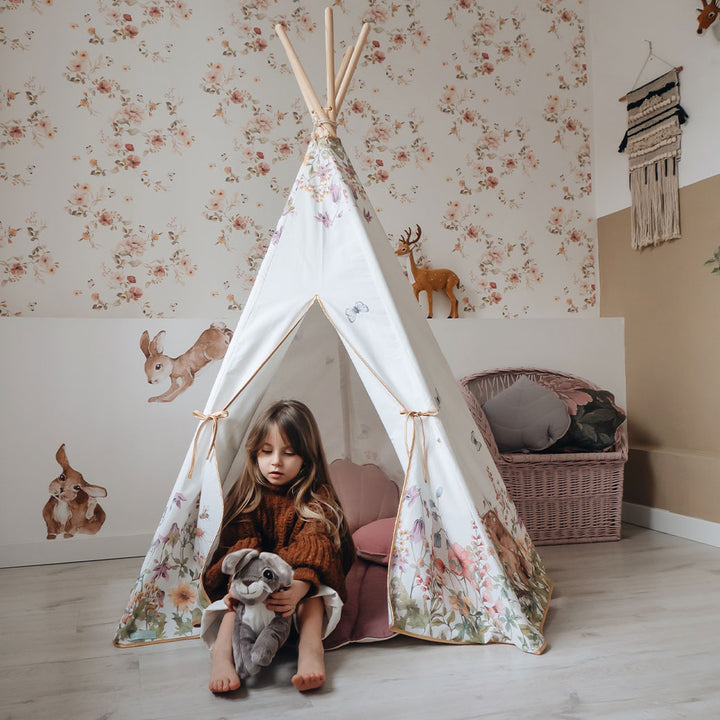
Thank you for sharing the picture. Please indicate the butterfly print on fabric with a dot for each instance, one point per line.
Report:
(352, 312)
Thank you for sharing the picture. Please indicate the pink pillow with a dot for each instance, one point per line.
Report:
(373, 541)
(365, 492)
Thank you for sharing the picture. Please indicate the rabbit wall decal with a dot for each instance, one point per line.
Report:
(210, 345)
(73, 505)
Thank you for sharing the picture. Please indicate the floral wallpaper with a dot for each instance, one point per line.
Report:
(147, 146)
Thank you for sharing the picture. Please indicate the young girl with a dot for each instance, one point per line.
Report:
(284, 502)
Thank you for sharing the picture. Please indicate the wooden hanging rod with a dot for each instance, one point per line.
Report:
(624, 97)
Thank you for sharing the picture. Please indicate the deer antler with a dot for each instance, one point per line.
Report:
(418, 233)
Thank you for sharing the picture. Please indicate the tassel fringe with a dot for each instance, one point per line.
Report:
(655, 212)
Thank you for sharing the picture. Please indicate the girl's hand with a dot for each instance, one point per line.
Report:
(285, 601)
(231, 601)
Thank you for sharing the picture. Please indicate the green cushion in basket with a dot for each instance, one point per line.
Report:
(593, 426)
(526, 417)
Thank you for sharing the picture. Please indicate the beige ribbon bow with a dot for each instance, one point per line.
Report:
(411, 416)
(211, 417)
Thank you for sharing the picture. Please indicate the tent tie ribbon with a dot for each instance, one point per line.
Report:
(210, 417)
(411, 416)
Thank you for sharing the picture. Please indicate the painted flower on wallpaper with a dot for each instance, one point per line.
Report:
(23, 123)
(394, 31)
(259, 164)
(461, 218)
(577, 247)
(255, 142)
(503, 268)
(130, 271)
(570, 130)
(254, 27)
(226, 83)
(582, 294)
(565, 23)
(494, 41)
(388, 145)
(22, 177)
(134, 130)
(36, 5)
(562, 14)
(28, 122)
(230, 212)
(267, 135)
(498, 150)
(23, 256)
(124, 21)
(20, 42)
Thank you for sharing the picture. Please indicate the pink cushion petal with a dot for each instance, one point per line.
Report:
(374, 541)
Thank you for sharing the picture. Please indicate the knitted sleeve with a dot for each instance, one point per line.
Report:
(315, 559)
(236, 535)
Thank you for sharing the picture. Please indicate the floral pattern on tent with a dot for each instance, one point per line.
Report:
(167, 600)
(459, 591)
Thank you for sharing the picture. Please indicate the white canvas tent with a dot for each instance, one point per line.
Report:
(332, 321)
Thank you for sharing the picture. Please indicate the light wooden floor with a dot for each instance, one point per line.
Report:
(633, 631)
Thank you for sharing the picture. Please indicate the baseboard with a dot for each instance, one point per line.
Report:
(78, 549)
(81, 548)
(664, 521)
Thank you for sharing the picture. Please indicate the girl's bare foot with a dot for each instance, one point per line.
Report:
(223, 677)
(311, 667)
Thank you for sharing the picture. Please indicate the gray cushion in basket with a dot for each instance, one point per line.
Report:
(526, 417)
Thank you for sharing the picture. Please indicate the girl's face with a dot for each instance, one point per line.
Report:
(278, 462)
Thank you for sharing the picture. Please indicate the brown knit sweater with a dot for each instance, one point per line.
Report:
(274, 526)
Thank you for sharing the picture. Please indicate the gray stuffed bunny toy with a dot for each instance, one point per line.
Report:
(258, 633)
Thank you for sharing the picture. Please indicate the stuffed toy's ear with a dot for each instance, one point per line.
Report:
(235, 561)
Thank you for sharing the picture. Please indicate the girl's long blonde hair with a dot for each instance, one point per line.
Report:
(315, 497)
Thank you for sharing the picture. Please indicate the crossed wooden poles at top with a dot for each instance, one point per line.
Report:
(325, 117)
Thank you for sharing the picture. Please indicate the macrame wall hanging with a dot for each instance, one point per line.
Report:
(652, 142)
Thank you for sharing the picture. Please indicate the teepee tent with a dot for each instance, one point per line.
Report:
(332, 321)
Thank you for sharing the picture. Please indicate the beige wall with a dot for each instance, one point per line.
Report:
(671, 305)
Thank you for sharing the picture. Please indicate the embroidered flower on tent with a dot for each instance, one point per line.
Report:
(352, 312)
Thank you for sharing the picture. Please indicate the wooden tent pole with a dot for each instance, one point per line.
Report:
(343, 67)
(354, 59)
(330, 63)
(311, 99)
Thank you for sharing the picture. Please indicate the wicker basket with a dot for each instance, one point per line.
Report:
(564, 497)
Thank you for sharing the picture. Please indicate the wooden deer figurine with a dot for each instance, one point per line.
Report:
(429, 280)
(707, 15)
